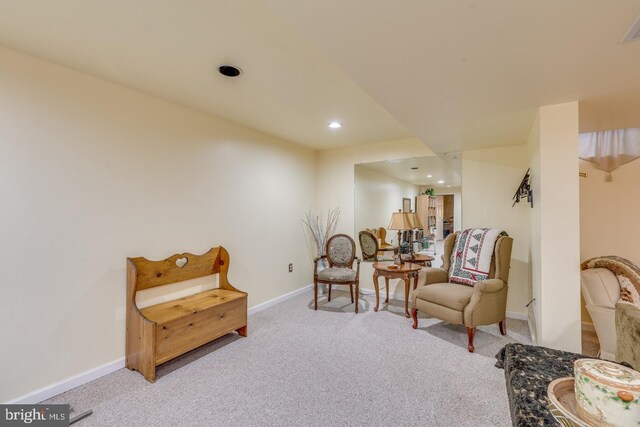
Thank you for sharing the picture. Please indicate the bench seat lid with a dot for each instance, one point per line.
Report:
(176, 309)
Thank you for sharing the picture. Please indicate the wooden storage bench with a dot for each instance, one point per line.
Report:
(164, 331)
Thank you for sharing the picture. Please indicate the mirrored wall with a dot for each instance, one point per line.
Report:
(428, 187)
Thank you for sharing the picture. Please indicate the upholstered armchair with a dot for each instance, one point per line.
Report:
(341, 254)
(481, 304)
(601, 291)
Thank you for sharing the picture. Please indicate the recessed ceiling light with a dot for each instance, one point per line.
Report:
(429, 176)
(229, 70)
(335, 125)
(441, 182)
(448, 186)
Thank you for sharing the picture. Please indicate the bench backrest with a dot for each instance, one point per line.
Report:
(145, 274)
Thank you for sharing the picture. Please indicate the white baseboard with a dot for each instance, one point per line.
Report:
(66, 385)
(93, 374)
(586, 326)
(534, 339)
(263, 306)
(383, 293)
(517, 315)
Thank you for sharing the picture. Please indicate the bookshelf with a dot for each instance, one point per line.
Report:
(426, 209)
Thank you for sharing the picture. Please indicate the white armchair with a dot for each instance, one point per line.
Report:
(601, 292)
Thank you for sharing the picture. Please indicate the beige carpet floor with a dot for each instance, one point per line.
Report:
(317, 368)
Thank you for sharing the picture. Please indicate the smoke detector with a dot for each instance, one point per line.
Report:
(633, 33)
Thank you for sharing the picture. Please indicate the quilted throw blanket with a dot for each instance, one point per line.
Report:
(471, 255)
(628, 275)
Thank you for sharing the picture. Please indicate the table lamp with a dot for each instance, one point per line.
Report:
(404, 221)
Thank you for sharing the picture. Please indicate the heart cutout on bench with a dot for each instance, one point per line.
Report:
(181, 262)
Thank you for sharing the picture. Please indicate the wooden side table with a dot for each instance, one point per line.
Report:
(423, 260)
(407, 272)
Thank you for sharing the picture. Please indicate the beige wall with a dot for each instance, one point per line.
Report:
(91, 173)
(555, 233)
(489, 179)
(609, 214)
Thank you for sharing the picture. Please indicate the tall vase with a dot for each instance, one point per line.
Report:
(322, 264)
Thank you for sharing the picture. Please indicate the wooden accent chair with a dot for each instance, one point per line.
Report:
(341, 253)
(384, 246)
(484, 303)
(368, 246)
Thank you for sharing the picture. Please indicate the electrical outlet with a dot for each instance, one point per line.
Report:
(290, 268)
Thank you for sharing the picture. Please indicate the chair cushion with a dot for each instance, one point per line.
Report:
(451, 295)
(337, 274)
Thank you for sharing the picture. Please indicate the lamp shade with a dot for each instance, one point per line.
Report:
(403, 221)
(415, 219)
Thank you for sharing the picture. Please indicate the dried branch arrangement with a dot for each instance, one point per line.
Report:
(321, 231)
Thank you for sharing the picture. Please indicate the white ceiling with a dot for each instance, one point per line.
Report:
(171, 49)
(471, 73)
(431, 165)
(457, 75)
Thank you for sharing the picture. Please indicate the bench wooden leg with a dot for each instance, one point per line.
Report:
(148, 371)
(242, 331)
(151, 377)
(414, 314)
(140, 348)
(329, 298)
